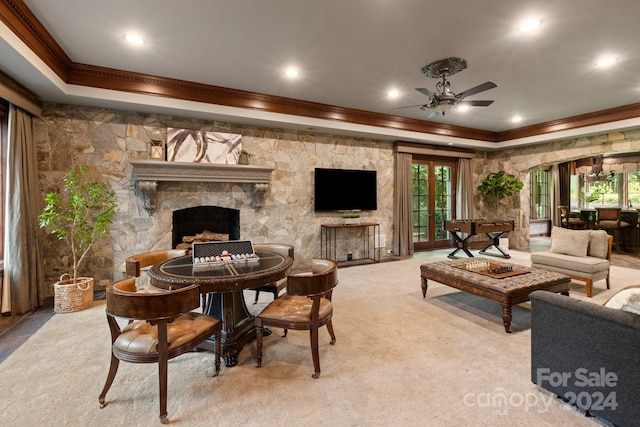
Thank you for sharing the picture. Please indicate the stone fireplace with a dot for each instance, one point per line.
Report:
(195, 220)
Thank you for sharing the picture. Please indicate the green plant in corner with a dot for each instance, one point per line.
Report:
(498, 185)
(80, 214)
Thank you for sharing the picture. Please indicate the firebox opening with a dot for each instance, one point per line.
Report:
(195, 220)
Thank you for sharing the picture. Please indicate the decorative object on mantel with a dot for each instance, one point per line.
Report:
(147, 173)
(243, 157)
(201, 146)
(350, 218)
(156, 145)
(79, 215)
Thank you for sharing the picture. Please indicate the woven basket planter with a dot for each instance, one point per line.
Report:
(70, 297)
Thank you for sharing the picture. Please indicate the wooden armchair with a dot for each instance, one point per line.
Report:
(275, 287)
(162, 328)
(306, 306)
(136, 263)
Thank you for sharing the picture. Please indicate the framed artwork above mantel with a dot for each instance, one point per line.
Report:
(202, 146)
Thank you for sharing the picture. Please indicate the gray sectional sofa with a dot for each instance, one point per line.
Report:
(588, 355)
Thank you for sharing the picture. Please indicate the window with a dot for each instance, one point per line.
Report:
(540, 194)
(609, 189)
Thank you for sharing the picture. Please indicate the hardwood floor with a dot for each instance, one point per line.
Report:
(15, 330)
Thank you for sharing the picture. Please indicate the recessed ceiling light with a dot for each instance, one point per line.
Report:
(516, 119)
(393, 93)
(606, 61)
(291, 72)
(134, 39)
(530, 26)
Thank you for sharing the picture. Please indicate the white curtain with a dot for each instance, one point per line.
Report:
(402, 232)
(23, 272)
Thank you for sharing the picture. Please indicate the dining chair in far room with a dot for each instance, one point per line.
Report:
(306, 306)
(608, 219)
(570, 219)
(275, 288)
(163, 328)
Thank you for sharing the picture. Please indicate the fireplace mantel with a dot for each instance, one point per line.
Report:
(147, 174)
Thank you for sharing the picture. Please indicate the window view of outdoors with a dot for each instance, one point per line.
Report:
(443, 201)
(540, 194)
(613, 189)
(420, 191)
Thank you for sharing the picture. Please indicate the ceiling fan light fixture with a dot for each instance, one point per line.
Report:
(443, 108)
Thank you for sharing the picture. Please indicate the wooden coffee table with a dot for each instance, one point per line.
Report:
(507, 288)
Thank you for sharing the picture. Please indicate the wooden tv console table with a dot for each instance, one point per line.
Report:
(370, 233)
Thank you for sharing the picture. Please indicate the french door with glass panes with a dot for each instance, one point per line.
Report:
(433, 187)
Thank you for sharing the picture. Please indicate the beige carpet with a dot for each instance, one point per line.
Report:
(399, 360)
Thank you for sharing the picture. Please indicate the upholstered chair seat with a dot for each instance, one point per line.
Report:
(142, 337)
(295, 309)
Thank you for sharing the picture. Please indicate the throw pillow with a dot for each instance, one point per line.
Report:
(569, 242)
(633, 304)
(598, 243)
(628, 299)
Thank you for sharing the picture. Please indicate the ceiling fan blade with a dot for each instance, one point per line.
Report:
(476, 103)
(425, 92)
(423, 106)
(477, 89)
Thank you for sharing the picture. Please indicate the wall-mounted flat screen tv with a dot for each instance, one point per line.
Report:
(345, 190)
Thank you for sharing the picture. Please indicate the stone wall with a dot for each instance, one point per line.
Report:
(106, 140)
(522, 160)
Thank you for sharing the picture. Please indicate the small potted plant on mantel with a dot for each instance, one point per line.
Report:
(350, 218)
(79, 215)
(243, 157)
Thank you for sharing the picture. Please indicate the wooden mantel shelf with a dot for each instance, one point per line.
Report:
(147, 173)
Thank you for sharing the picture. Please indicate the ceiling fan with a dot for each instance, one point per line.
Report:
(444, 100)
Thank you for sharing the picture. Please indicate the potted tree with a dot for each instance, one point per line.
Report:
(498, 185)
(79, 215)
